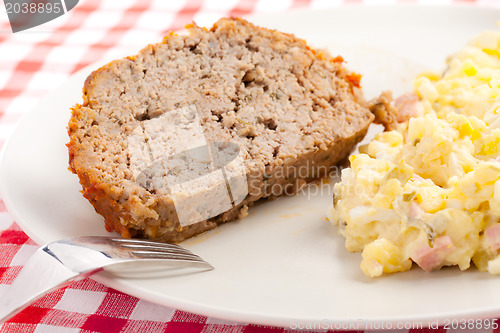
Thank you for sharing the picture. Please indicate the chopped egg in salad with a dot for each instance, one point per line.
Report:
(429, 192)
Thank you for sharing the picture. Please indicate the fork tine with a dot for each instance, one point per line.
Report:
(155, 250)
(172, 250)
(135, 244)
(191, 259)
(154, 254)
(189, 263)
(130, 241)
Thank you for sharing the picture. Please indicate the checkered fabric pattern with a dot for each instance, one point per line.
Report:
(37, 61)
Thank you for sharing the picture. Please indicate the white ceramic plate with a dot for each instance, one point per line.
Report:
(285, 263)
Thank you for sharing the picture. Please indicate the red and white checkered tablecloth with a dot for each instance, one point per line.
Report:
(39, 60)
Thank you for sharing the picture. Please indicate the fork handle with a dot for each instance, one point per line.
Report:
(41, 275)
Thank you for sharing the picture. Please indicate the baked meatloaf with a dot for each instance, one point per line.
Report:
(293, 112)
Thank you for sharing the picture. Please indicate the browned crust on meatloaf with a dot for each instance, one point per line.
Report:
(99, 126)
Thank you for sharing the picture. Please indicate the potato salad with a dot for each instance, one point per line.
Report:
(429, 192)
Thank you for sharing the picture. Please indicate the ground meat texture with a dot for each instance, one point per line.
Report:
(286, 105)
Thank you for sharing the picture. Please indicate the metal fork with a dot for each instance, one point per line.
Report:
(62, 262)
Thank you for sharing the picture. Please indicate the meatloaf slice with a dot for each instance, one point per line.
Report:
(293, 111)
